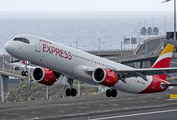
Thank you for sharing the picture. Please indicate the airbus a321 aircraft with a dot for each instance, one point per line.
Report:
(56, 59)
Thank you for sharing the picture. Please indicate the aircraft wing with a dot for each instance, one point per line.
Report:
(144, 72)
(123, 74)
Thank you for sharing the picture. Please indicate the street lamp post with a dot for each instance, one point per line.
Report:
(3, 61)
(137, 31)
(152, 25)
(76, 44)
(121, 49)
(99, 46)
(1, 89)
(146, 48)
(134, 33)
(139, 34)
(165, 24)
(140, 27)
(174, 20)
(144, 27)
(124, 46)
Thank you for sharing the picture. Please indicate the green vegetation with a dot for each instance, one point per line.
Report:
(24, 85)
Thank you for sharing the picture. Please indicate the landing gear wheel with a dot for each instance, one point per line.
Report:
(68, 92)
(108, 93)
(22, 73)
(114, 93)
(71, 92)
(111, 92)
(26, 73)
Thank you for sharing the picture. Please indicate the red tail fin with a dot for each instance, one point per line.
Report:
(163, 61)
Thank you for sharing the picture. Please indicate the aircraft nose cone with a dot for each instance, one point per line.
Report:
(8, 47)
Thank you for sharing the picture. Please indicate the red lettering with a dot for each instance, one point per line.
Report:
(70, 56)
(57, 51)
(44, 46)
(61, 53)
(66, 54)
(52, 49)
(48, 48)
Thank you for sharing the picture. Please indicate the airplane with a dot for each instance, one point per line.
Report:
(56, 59)
(22, 65)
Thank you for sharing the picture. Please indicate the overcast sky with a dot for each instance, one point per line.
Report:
(85, 5)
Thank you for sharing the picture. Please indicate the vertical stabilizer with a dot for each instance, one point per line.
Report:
(163, 61)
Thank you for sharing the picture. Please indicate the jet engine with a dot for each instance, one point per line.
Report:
(44, 76)
(105, 77)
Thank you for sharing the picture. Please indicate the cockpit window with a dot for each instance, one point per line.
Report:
(22, 40)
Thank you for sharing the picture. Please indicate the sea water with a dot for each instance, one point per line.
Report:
(84, 27)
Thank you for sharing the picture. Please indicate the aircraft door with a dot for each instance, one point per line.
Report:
(93, 62)
(38, 45)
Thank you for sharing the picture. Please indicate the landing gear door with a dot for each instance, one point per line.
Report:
(38, 45)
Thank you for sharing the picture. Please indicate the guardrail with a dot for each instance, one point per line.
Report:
(158, 49)
(108, 51)
(154, 38)
(137, 48)
(8, 71)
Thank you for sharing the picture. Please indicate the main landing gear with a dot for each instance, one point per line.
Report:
(71, 91)
(111, 92)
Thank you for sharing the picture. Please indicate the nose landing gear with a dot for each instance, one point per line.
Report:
(25, 73)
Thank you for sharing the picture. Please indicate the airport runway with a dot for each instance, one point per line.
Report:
(96, 107)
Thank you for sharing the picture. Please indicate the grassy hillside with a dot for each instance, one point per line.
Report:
(34, 91)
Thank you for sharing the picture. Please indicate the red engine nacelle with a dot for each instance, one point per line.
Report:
(44, 76)
(105, 77)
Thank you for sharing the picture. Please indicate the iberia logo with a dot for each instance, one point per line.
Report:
(45, 41)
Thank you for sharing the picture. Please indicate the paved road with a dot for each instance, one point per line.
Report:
(147, 106)
(151, 46)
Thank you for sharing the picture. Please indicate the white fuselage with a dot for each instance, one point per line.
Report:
(69, 61)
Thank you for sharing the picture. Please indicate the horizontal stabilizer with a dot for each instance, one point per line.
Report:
(167, 85)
